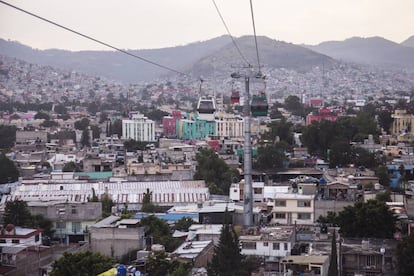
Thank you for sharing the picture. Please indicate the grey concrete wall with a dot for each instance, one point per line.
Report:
(115, 242)
(322, 207)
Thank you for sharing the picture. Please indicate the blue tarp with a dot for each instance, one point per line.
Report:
(168, 216)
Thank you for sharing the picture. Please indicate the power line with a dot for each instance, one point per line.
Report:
(255, 37)
(232, 38)
(95, 40)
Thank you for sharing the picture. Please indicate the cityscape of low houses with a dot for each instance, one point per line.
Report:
(67, 180)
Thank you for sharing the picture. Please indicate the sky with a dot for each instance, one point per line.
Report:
(149, 24)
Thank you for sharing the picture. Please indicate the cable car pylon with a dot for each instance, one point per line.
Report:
(247, 156)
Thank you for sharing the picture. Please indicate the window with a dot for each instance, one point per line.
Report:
(265, 244)
(276, 246)
(257, 191)
(76, 227)
(372, 260)
(2, 241)
(304, 216)
(248, 245)
(306, 203)
(37, 238)
(15, 241)
(60, 225)
(279, 215)
(74, 210)
(280, 203)
(286, 246)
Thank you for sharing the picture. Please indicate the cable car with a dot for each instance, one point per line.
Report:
(259, 106)
(206, 108)
(235, 96)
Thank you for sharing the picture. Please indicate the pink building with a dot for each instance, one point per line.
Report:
(169, 124)
(323, 114)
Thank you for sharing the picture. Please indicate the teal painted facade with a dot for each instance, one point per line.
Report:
(194, 128)
(95, 175)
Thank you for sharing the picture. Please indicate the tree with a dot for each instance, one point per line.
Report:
(157, 264)
(384, 196)
(61, 109)
(227, 258)
(16, 212)
(82, 124)
(321, 136)
(365, 124)
(371, 219)
(8, 170)
(133, 145)
(281, 130)
(69, 167)
(184, 223)
(107, 205)
(250, 264)
(7, 136)
(331, 218)
(340, 154)
(293, 104)
(181, 269)
(155, 114)
(81, 263)
(271, 156)
(385, 120)
(147, 205)
(383, 177)
(116, 128)
(333, 264)
(49, 123)
(85, 139)
(96, 131)
(160, 232)
(39, 221)
(215, 172)
(362, 157)
(93, 107)
(42, 115)
(405, 256)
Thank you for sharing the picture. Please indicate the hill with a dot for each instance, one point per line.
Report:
(200, 58)
(115, 65)
(273, 54)
(409, 42)
(372, 51)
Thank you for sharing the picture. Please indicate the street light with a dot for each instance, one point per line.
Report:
(382, 251)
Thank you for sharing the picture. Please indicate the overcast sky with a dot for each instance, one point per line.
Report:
(145, 24)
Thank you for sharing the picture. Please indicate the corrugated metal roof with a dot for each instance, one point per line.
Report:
(106, 222)
(121, 192)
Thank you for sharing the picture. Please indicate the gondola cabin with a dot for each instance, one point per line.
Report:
(235, 97)
(206, 108)
(259, 106)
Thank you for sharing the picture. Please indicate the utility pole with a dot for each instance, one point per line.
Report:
(247, 156)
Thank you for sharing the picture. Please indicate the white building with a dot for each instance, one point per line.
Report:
(291, 208)
(15, 239)
(274, 242)
(229, 125)
(138, 128)
(237, 191)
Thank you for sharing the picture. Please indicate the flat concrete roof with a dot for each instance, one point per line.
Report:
(304, 260)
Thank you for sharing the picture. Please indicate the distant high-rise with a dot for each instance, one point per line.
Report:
(138, 128)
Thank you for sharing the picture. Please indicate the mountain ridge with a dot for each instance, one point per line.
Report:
(409, 42)
(218, 55)
(371, 50)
